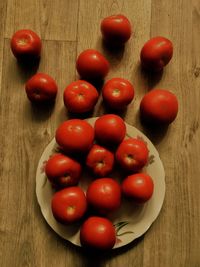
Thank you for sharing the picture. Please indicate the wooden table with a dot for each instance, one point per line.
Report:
(67, 27)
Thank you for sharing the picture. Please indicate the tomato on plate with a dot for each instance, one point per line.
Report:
(104, 195)
(63, 171)
(100, 160)
(138, 187)
(75, 136)
(69, 205)
(91, 64)
(116, 29)
(80, 96)
(97, 233)
(118, 93)
(159, 106)
(26, 44)
(41, 88)
(156, 53)
(110, 129)
(132, 154)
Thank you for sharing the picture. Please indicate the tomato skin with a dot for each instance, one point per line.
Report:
(132, 154)
(41, 88)
(118, 93)
(26, 44)
(138, 187)
(75, 136)
(63, 171)
(104, 195)
(159, 106)
(97, 233)
(156, 53)
(69, 205)
(100, 161)
(91, 64)
(116, 29)
(110, 129)
(80, 96)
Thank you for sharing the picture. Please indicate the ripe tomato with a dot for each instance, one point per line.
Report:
(63, 171)
(110, 129)
(26, 44)
(80, 96)
(116, 29)
(41, 88)
(159, 107)
(156, 53)
(91, 64)
(132, 154)
(75, 136)
(104, 195)
(69, 205)
(97, 233)
(138, 187)
(118, 93)
(100, 161)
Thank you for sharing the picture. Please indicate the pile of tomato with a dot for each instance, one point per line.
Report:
(101, 147)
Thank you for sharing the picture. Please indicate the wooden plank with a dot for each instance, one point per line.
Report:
(3, 5)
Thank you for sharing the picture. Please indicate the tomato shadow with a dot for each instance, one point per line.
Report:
(114, 53)
(151, 77)
(109, 110)
(97, 82)
(27, 67)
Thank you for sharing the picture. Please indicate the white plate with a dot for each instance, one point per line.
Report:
(131, 220)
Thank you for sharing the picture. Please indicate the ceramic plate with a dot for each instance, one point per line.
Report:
(131, 220)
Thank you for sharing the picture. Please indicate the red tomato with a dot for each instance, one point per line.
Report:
(91, 64)
(159, 107)
(132, 154)
(110, 129)
(63, 171)
(41, 88)
(104, 195)
(75, 136)
(80, 96)
(116, 29)
(100, 161)
(69, 205)
(138, 187)
(26, 44)
(156, 53)
(97, 233)
(118, 93)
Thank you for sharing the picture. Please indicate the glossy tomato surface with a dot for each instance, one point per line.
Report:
(75, 136)
(80, 96)
(118, 93)
(138, 187)
(41, 88)
(91, 64)
(159, 106)
(97, 233)
(69, 205)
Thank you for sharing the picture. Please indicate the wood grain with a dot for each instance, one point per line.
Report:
(67, 28)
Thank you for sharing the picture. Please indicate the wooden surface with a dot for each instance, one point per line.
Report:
(67, 27)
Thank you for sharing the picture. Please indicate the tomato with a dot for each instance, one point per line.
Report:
(110, 129)
(63, 171)
(156, 53)
(26, 44)
(100, 161)
(159, 107)
(69, 205)
(97, 233)
(138, 187)
(104, 195)
(116, 29)
(91, 64)
(80, 96)
(118, 93)
(132, 154)
(41, 88)
(75, 136)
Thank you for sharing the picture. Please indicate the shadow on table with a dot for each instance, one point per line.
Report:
(151, 77)
(27, 68)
